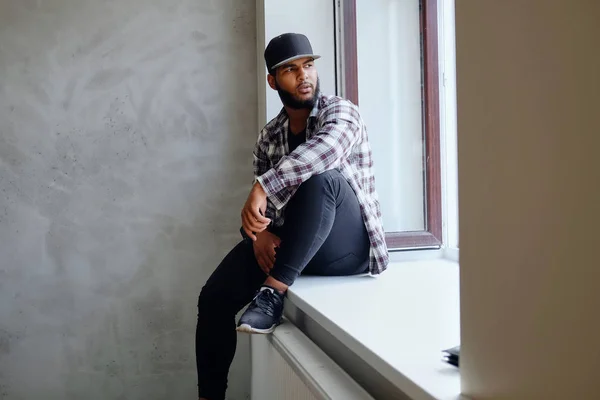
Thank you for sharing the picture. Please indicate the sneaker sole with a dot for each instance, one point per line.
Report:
(248, 329)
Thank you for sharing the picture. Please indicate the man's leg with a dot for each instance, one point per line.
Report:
(231, 286)
(323, 232)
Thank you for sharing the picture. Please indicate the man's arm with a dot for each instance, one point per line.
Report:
(260, 165)
(261, 161)
(324, 151)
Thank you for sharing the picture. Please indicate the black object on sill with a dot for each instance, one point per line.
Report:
(452, 356)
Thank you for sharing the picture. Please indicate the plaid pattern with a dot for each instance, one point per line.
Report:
(336, 138)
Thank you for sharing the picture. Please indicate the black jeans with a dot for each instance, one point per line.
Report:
(323, 234)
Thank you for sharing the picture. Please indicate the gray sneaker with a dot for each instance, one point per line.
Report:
(264, 312)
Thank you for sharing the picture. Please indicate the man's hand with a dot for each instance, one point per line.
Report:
(264, 250)
(253, 220)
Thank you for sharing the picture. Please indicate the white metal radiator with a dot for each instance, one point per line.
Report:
(288, 366)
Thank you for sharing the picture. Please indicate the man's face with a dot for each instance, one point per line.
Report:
(297, 83)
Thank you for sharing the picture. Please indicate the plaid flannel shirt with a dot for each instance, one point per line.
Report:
(336, 138)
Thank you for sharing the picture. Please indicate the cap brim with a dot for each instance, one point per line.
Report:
(287, 60)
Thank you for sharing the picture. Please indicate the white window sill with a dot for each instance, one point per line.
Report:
(398, 323)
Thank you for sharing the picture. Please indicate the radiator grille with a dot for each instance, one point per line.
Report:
(279, 380)
(288, 366)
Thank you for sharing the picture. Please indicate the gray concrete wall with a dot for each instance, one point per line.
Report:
(126, 130)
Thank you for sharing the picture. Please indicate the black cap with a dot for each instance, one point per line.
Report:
(287, 47)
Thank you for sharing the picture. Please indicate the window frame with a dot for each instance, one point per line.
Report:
(347, 85)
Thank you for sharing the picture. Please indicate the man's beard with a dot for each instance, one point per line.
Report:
(289, 99)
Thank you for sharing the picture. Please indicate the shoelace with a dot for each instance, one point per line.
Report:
(266, 302)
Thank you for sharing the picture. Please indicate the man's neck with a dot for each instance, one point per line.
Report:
(298, 119)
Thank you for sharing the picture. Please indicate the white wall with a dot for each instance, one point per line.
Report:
(389, 76)
(529, 189)
(313, 18)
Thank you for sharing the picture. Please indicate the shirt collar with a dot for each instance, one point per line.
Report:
(282, 118)
(315, 110)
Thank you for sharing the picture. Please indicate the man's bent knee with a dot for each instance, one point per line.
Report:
(324, 176)
(322, 179)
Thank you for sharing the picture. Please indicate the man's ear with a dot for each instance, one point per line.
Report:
(271, 80)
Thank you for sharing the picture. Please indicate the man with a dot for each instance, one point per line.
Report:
(313, 209)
